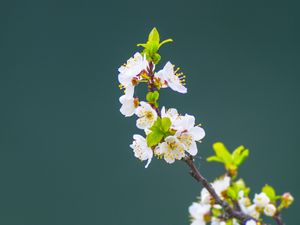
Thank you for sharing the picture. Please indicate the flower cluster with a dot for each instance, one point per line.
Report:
(169, 135)
(139, 70)
(172, 136)
(236, 194)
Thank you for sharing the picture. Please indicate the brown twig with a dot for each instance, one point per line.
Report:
(151, 84)
(277, 217)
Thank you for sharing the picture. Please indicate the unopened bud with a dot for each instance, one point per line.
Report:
(270, 210)
(287, 199)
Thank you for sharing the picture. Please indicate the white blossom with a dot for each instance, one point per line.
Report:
(220, 185)
(170, 78)
(205, 196)
(171, 149)
(270, 210)
(197, 212)
(198, 222)
(172, 114)
(129, 105)
(217, 221)
(251, 222)
(188, 133)
(244, 202)
(141, 150)
(147, 115)
(261, 200)
(128, 73)
(235, 222)
(252, 211)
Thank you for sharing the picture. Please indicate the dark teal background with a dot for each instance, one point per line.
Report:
(64, 146)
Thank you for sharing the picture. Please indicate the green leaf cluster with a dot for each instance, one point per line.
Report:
(236, 187)
(152, 46)
(152, 98)
(159, 130)
(230, 161)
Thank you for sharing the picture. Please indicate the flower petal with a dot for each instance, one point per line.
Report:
(198, 133)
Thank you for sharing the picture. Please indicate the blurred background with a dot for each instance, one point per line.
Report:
(64, 146)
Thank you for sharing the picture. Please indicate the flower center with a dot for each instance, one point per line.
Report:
(149, 115)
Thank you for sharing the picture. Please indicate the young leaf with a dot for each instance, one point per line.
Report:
(156, 125)
(156, 58)
(164, 42)
(231, 192)
(153, 45)
(222, 152)
(149, 96)
(155, 95)
(239, 155)
(165, 124)
(269, 191)
(214, 159)
(154, 138)
(154, 36)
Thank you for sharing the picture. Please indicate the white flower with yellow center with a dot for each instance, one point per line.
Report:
(170, 149)
(188, 133)
(220, 186)
(129, 105)
(130, 71)
(171, 78)
(141, 150)
(147, 116)
(198, 212)
(243, 201)
(172, 114)
(261, 200)
(270, 210)
(252, 211)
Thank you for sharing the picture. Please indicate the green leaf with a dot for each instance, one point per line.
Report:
(142, 45)
(164, 42)
(156, 125)
(229, 222)
(149, 96)
(156, 58)
(239, 155)
(153, 45)
(269, 191)
(214, 159)
(154, 138)
(154, 36)
(155, 95)
(222, 152)
(231, 192)
(165, 124)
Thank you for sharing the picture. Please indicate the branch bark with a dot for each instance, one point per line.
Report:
(278, 219)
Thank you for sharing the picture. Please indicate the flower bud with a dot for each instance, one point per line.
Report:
(286, 199)
(270, 210)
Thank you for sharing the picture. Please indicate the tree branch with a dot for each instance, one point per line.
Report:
(228, 209)
(277, 217)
